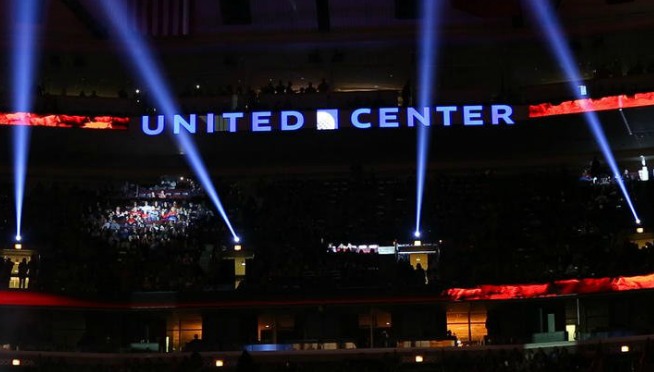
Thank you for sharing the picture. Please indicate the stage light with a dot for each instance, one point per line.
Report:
(416, 234)
(419, 359)
(640, 230)
(237, 247)
(220, 363)
(18, 246)
(543, 14)
(15, 362)
(21, 136)
(19, 238)
(137, 91)
(145, 65)
(24, 14)
(624, 348)
(428, 47)
(237, 239)
(637, 222)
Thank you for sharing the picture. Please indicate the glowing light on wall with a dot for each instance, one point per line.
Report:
(144, 63)
(543, 15)
(64, 121)
(428, 48)
(578, 106)
(564, 287)
(24, 14)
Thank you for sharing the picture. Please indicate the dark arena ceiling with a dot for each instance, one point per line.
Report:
(489, 52)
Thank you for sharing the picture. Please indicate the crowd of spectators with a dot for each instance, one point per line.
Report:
(289, 88)
(619, 68)
(163, 230)
(202, 90)
(270, 96)
(608, 79)
(493, 228)
(152, 217)
(119, 238)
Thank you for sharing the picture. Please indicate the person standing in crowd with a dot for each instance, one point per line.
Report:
(32, 270)
(22, 274)
(323, 87)
(3, 274)
(7, 268)
(310, 88)
(246, 363)
(420, 274)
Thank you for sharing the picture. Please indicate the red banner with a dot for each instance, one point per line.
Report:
(589, 104)
(556, 288)
(64, 121)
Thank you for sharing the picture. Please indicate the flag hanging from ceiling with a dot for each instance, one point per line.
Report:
(162, 18)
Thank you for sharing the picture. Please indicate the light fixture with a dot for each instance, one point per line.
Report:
(220, 363)
(419, 358)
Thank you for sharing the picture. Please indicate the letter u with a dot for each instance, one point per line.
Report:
(145, 125)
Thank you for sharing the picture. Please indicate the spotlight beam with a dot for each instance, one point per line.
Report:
(21, 136)
(142, 61)
(428, 48)
(24, 14)
(543, 13)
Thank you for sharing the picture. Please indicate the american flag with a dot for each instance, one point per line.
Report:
(162, 18)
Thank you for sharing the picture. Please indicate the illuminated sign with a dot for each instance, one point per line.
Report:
(589, 104)
(330, 119)
(64, 121)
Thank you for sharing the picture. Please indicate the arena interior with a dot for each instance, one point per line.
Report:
(327, 185)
